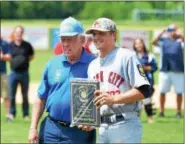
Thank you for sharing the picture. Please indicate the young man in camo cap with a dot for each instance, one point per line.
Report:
(122, 85)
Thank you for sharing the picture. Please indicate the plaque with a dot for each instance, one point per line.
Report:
(83, 110)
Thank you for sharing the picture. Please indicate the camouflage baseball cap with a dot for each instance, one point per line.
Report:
(102, 24)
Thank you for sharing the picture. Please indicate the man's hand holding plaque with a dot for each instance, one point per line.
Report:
(102, 98)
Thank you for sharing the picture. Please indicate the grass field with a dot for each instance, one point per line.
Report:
(40, 60)
(128, 24)
(164, 130)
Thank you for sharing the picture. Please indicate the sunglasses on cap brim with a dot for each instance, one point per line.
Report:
(170, 29)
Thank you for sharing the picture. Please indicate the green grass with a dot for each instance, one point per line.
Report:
(128, 24)
(38, 64)
(164, 130)
(40, 60)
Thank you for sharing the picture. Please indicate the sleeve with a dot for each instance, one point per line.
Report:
(161, 41)
(31, 50)
(43, 88)
(153, 63)
(135, 72)
(9, 47)
(6, 49)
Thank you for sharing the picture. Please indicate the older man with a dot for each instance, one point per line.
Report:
(54, 90)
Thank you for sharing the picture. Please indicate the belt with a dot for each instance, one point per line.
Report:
(112, 119)
(62, 123)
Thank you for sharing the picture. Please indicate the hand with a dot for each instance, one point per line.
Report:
(85, 127)
(33, 136)
(102, 98)
(147, 68)
(1, 55)
(165, 30)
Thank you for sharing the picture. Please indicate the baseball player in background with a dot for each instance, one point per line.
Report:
(122, 85)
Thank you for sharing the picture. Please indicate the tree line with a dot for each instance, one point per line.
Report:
(82, 10)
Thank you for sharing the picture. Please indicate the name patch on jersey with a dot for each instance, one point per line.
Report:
(141, 70)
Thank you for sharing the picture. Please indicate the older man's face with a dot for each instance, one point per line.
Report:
(71, 45)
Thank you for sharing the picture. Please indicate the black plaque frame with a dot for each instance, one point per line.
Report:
(83, 110)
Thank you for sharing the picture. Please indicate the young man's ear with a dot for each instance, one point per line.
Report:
(115, 35)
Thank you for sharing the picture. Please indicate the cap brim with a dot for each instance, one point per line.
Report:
(68, 34)
(90, 31)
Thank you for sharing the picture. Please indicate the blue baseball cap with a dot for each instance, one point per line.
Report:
(70, 27)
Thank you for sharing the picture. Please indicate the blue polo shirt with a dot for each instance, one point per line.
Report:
(55, 83)
(5, 49)
(171, 55)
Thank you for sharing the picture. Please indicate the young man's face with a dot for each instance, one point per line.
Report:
(102, 40)
(71, 45)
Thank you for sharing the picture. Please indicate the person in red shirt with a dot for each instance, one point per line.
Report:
(87, 43)
(58, 49)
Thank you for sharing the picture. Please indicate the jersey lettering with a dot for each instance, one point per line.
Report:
(99, 76)
(113, 78)
(113, 92)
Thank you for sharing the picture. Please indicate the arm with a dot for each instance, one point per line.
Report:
(5, 54)
(181, 37)
(155, 40)
(38, 110)
(31, 52)
(179, 34)
(31, 58)
(5, 57)
(130, 96)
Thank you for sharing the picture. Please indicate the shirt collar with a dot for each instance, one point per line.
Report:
(83, 57)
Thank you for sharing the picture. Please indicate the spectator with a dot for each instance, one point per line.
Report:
(4, 57)
(58, 49)
(149, 63)
(89, 45)
(22, 54)
(11, 37)
(172, 67)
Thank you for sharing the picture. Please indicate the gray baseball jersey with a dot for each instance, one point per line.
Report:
(118, 72)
